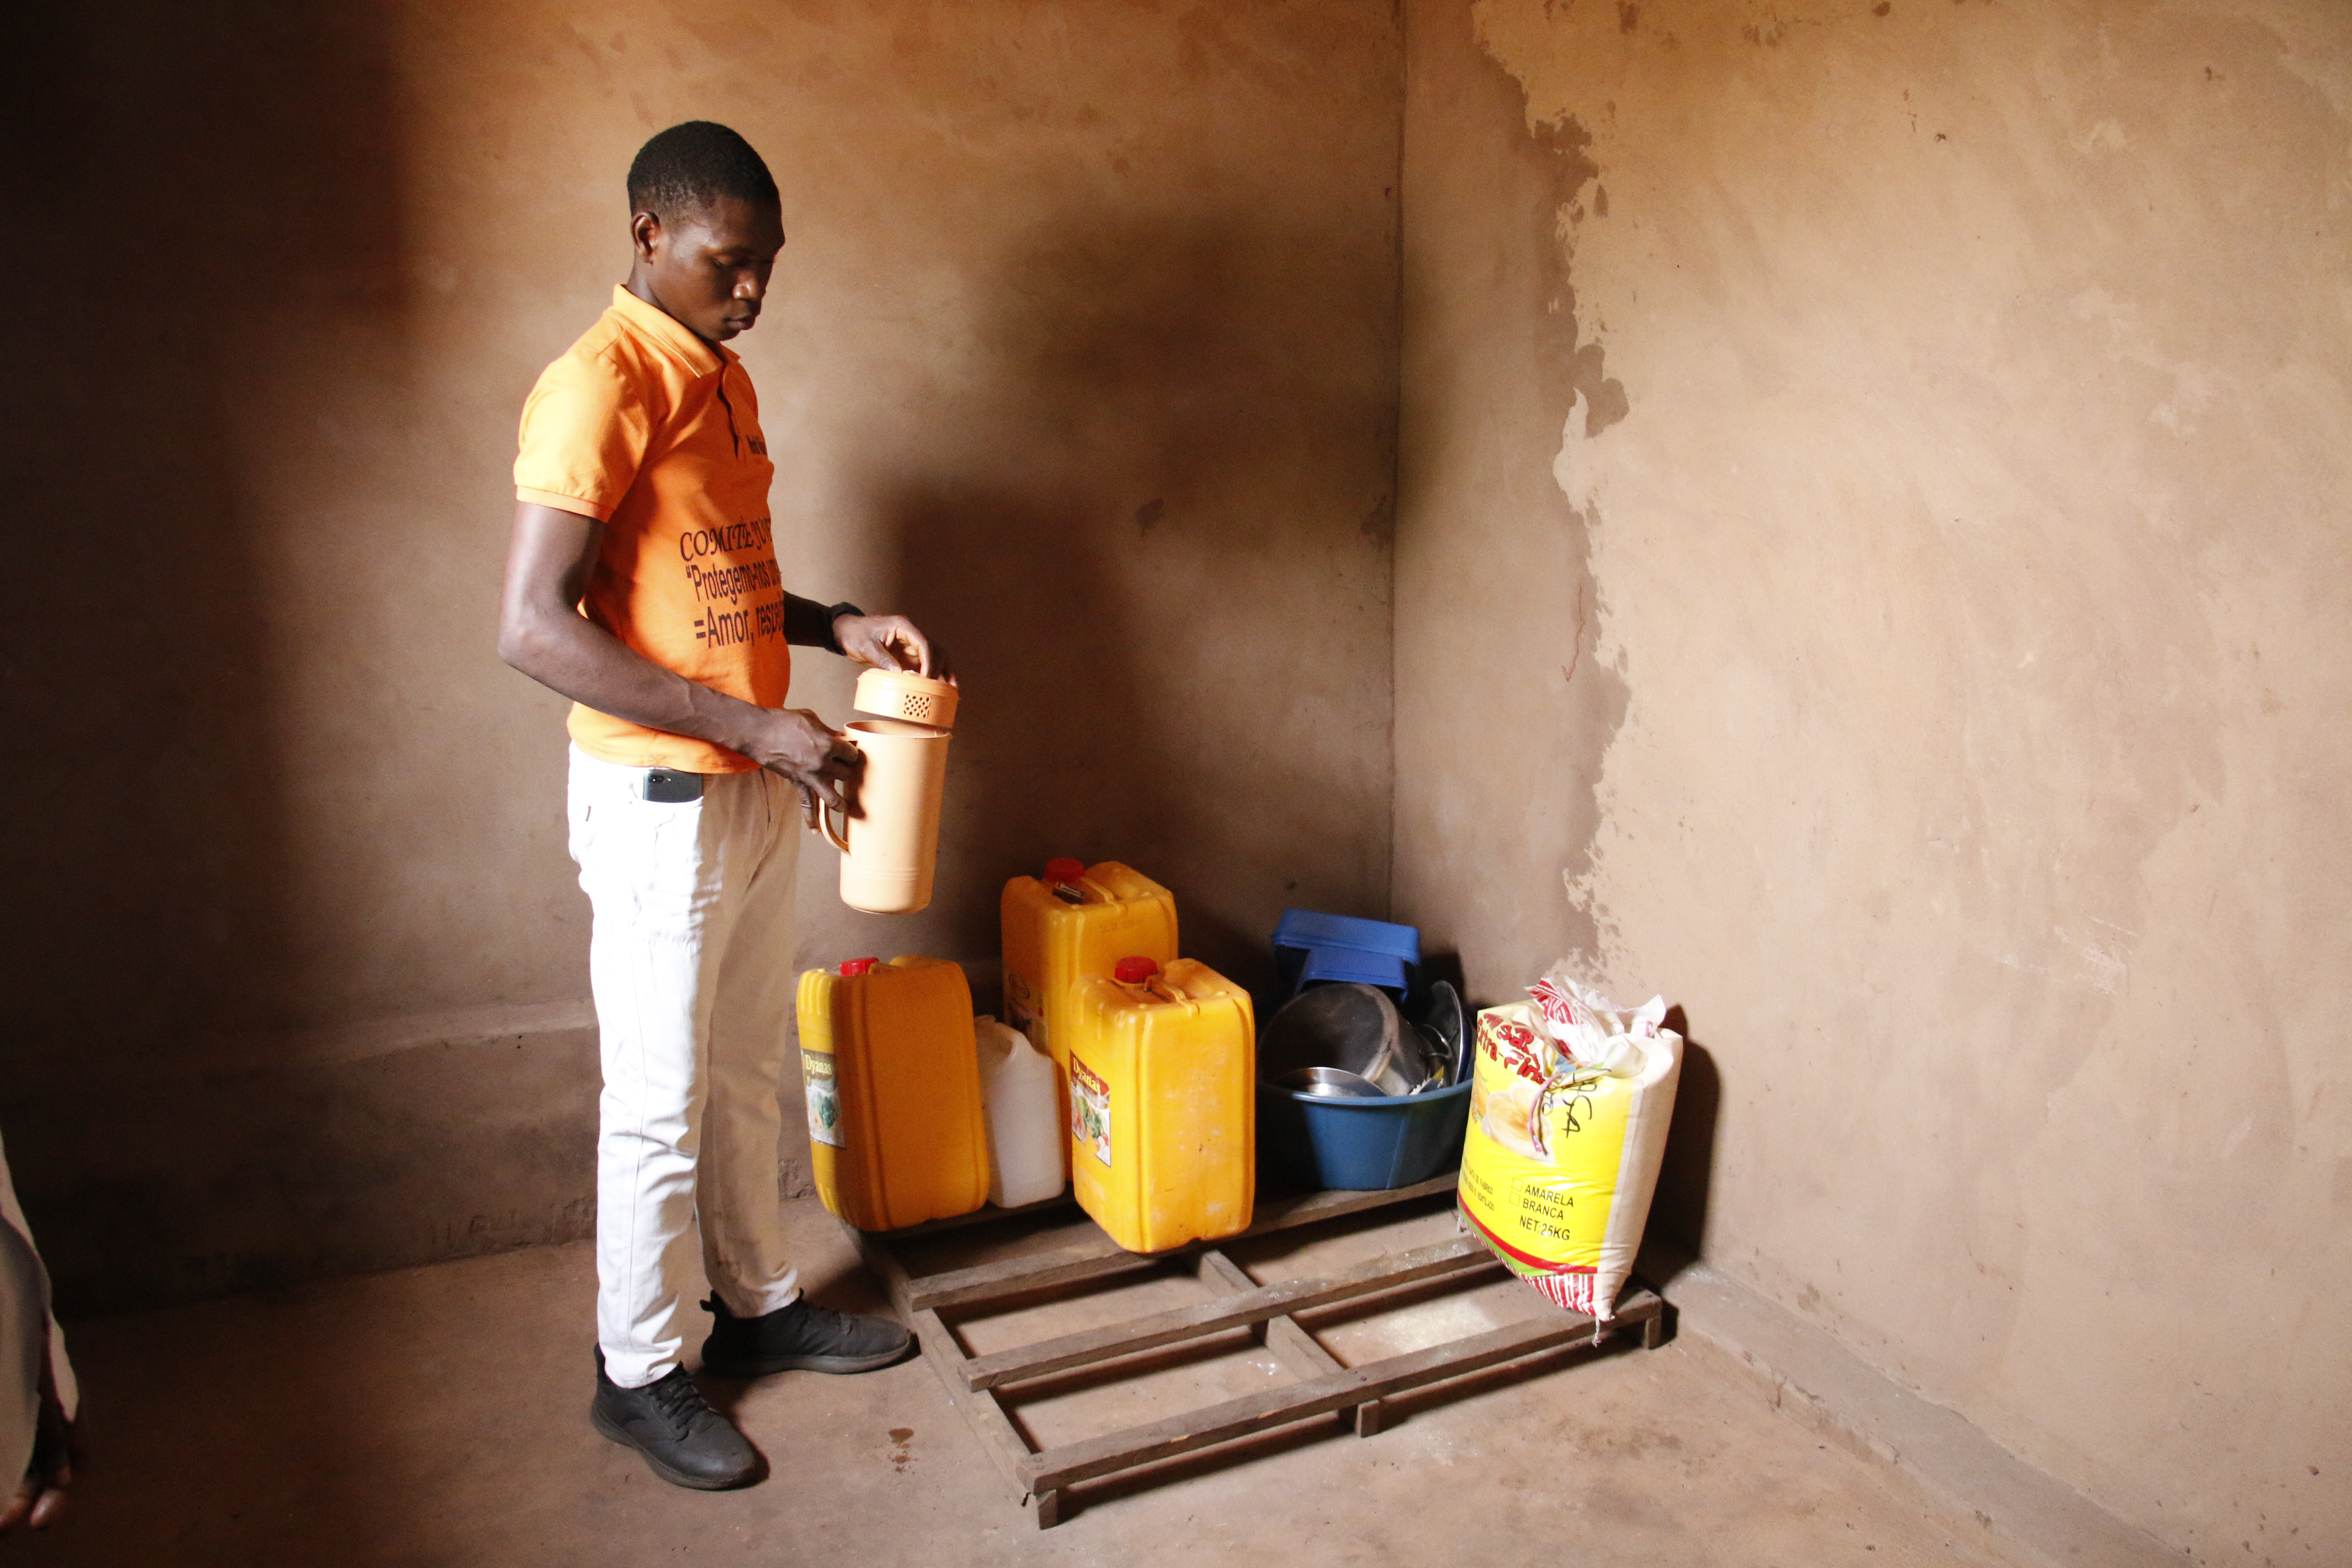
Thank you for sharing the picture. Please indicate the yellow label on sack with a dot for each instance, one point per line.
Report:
(1539, 1168)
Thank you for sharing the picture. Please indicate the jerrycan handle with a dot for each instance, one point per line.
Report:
(819, 817)
(1145, 975)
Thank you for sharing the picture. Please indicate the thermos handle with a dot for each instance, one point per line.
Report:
(819, 817)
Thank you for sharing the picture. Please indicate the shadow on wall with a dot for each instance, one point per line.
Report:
(1151, 483)
(214, 194)
(207, 185)
(1686, 1172)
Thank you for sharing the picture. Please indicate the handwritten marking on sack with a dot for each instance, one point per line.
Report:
(1561, 1093)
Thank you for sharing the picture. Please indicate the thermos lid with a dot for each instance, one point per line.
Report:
(850, 966)
(903, 694)
(1065, 870)
(1134, 970)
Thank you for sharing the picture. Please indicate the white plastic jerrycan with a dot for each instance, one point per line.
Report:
(1021, 1096)
(889, 846)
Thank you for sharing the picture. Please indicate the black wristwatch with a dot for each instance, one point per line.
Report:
(832, 613)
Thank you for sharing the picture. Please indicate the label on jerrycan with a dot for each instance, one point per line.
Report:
(1090, 1109)
(823, 1097)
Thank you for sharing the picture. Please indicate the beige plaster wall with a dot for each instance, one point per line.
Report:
(1082, 352)
(1872, 564)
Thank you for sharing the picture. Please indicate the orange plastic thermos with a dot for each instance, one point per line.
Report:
(890, 845)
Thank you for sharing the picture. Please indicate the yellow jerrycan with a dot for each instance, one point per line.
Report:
(1074, 922)
(1163, 1113)
(890, 846)
(897, 1135)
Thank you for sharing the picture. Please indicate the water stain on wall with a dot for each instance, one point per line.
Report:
(1952, 561)
(1537, 733)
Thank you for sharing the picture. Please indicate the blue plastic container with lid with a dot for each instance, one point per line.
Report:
(1346, 963)
(1313, 928)
(1310, 945)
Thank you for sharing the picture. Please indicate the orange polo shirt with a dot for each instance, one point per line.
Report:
(655, 433)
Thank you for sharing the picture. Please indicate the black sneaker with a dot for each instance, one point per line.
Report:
(803, 1337)
(684, 1441)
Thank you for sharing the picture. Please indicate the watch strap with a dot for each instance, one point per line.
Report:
(832, 613)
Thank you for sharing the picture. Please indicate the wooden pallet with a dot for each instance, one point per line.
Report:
(1324, 1386)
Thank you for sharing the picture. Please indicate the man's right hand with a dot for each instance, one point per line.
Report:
(801, 747)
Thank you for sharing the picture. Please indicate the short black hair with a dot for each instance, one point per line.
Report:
(687, 167)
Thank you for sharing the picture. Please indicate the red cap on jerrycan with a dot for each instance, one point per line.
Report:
(850, 966)
(1134, 970)
(1061, 878)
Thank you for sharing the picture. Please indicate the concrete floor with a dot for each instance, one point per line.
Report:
(437, 1416)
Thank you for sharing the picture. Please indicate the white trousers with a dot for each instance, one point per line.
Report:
(690, 958)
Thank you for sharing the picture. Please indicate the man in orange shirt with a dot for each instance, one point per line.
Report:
(642, 582)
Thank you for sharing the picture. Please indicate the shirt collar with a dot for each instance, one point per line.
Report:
(651, 322)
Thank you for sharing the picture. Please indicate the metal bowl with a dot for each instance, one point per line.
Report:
(1446, 1015)
(1434, 1061)
(1350, 1027)
(1330, 1083)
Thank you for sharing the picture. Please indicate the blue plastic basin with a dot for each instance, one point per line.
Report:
(1363, 1145)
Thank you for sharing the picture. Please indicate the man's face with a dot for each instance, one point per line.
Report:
(710, 269)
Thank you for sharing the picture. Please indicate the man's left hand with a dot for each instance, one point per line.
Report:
(892, 642)
(41, 1497)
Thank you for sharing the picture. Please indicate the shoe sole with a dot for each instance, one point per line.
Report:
(746, 1370)
(673, 1477)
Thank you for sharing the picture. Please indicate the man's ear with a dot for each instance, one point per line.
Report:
(645, 228)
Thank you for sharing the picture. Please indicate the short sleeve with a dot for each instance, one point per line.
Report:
(584, 431)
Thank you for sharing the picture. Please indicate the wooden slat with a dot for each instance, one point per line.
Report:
(986, 1214)
(1292, 1346)
(1285, 1337)
(1225, 1275)
(1300, 1351)
(997, 1435)
(1271, 1408)
(887, 1267)
(1204, 1318)
(1282, 1214)
(1327, 1387)
(1093, 1259)
(1099, 1258)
